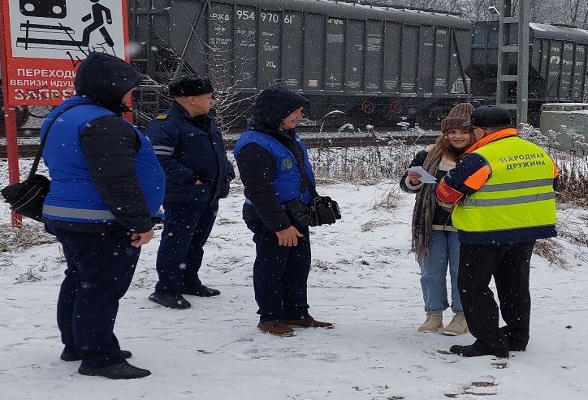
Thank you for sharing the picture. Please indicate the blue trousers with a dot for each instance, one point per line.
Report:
(280, 274)
(186, 227)
(443, 251)
(100, 267)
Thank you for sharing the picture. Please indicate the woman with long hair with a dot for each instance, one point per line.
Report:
(434, 239)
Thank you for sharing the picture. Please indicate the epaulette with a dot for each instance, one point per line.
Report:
(162, 116)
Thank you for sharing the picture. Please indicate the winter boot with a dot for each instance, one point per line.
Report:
(275, 327)
(432, 324)
(457, 326)
(309, 322)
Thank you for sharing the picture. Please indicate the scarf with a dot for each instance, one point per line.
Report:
(425, 202)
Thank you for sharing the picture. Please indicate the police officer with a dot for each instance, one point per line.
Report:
(192, 153)
(505, 201)
(273, 163)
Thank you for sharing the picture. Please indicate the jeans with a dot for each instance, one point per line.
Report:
(443, 250)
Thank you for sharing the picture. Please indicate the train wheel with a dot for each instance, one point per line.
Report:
(396, 107)
(367, 107)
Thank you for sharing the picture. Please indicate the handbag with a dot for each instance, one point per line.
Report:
(27, 197)
(322, 209)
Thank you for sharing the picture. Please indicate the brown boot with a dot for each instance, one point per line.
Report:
(309, 322)
(433, 323)
(275, 327)
(457, 326)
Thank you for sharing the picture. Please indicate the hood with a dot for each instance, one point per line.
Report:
(106, 79)
(273, 105)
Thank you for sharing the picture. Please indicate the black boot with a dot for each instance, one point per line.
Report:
(122, 370)
(201, 291)
(170, 300)
(70, 355)
(473, 351)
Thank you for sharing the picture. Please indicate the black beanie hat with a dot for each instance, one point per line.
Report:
(190, 86)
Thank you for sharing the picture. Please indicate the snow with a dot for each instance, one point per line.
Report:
(364, 279)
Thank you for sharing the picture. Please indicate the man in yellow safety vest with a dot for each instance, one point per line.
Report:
(504, 196)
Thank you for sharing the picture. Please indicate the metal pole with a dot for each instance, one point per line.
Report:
(500, 13)
(523, 63)
(189, 39)
(9, 116)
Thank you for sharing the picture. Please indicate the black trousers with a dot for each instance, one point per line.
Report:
(100, 267)
(280, 274)
(509, 265)
(186, 228)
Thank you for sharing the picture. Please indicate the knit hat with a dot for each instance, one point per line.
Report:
(190, 86)
(457, 116)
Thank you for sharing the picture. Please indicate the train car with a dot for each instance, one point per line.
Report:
(557, 64)
(377, 65)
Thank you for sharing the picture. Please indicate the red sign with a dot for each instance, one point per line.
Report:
(45, 40)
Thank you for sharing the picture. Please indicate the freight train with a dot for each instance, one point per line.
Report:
(376, 65)
(362, 64)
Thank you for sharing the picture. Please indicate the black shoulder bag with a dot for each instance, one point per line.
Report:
(27, 197)
(322, 209)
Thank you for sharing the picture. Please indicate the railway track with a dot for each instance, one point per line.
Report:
(28, 145)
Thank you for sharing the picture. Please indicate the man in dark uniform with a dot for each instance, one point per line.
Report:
(273, 163)
(106, 188)
(192, 153)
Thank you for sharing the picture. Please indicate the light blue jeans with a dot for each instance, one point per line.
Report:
(443, 251)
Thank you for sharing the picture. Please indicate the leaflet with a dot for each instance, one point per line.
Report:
(425, 176)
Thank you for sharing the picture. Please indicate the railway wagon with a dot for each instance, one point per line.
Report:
(557, 64)
(378, 65)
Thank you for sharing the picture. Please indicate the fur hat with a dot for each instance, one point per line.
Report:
(190, 86)
(457, 116)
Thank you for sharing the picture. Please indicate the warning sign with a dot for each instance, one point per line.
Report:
(47, 39)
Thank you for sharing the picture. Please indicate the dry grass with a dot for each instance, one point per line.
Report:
(15, 239)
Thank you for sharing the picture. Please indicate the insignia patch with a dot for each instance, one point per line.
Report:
(162, 116)
(287, 163)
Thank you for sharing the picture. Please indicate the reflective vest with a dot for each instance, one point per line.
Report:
(287, 176)
(517, 203)
(73, 195)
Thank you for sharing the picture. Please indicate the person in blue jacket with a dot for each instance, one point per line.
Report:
(192, 153)
(106, 189)
(273, 164)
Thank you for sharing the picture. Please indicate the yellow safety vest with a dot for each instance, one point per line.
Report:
(518, 194)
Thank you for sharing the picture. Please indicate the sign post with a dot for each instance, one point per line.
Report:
(43, 42)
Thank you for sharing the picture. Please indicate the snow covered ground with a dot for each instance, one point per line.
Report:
(364, 279)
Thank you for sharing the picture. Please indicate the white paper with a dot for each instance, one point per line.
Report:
(425, 176)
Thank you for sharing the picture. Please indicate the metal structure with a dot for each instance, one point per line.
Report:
(507, 23)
